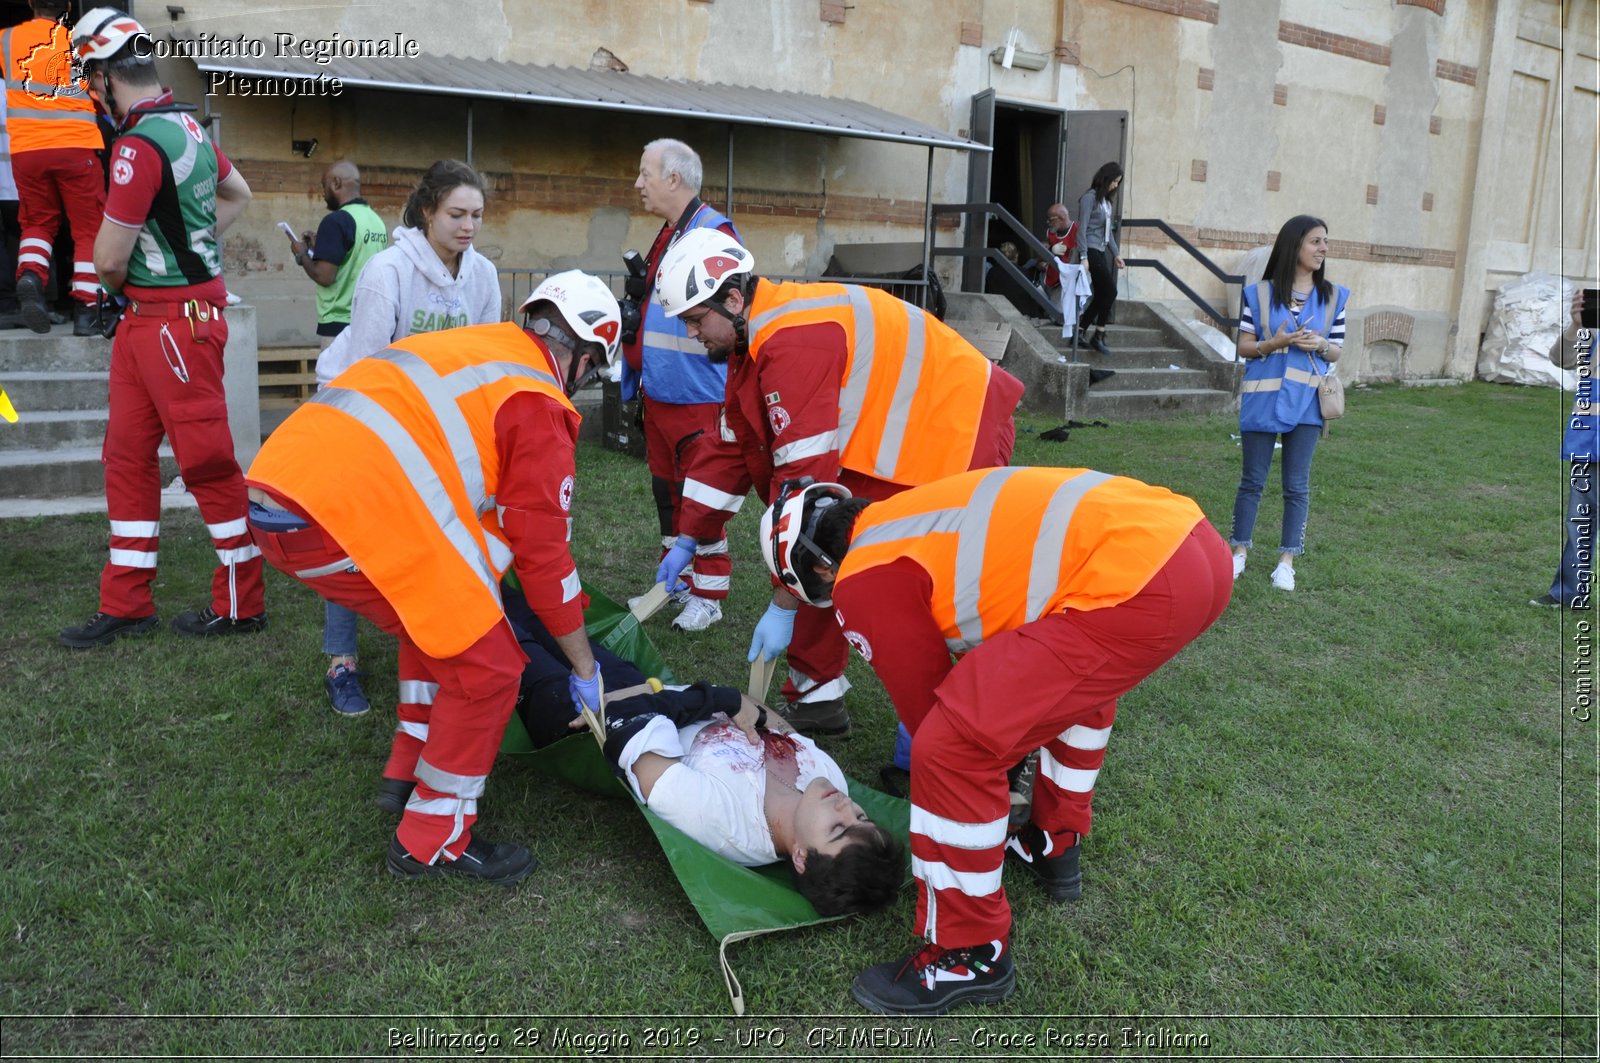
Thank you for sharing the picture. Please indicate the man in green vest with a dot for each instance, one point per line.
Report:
(350, 234)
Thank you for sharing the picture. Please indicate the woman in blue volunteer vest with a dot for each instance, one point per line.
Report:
(1291, 327)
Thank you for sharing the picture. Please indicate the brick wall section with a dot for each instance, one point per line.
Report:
(1427, 201)
(1436, 6)
(1466, 75)
(1435, 124)
(1242, 240)
(1380, 114)
(1388, 325)
(1280, 95)
(1069, 52)
(1372, 195)
(1197, 170)
(1203, 10)
(386, 188)
(1337, 43)
(972, 34)
(1274, 180)
(832, 11)
(1206, 79)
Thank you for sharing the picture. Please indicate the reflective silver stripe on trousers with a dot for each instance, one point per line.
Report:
(417, 691)
(1044, 575)
(344, 564)
(941, 876)
(430, 489)
(463, 791)
(958, 835)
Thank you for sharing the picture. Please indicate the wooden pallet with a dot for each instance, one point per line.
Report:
(287, 376)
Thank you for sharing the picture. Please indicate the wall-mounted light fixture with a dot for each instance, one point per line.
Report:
(1009, 56)
(307, 148)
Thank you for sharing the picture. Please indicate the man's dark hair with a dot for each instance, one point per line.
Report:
(837, 523)
(133, 70)
(48, 8)
(862, 877)
(442, 178)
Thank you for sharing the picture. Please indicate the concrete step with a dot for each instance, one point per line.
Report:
(57, 507)
(1129, 405)
(33, 392)
(62, 472)
(51, 429)
(1132, 357)
(58, 350)
(1161, 379)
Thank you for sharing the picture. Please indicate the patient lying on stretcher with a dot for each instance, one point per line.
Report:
(718, 766)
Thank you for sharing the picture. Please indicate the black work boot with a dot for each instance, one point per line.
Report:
(501, 864)
(393, 795)
(30, 302)
(813, 718)
(205, 623)
(933, 980)
(1057, 871)
(102, 629)
(86, 320)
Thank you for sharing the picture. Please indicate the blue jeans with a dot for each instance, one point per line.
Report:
(1575, 578)
(1298, 446)
(338, 631)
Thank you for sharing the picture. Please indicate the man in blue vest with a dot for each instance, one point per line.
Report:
(683, 390)
(350, 234)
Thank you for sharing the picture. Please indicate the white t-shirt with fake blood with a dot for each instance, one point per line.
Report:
(716, 791)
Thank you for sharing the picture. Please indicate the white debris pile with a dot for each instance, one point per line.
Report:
(1528, 318)
(1217, 339)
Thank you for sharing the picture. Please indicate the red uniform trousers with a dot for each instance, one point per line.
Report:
(672, 435)
(452, 710)
(818, 652)
(1052, 683)
(50, 182)
(166, 379)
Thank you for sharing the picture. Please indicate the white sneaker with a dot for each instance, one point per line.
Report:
(1238, 565)
(1283, 577)
(682, 598)
(698, 615)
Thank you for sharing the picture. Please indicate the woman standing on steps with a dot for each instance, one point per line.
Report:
(1303, 315)
(1097, 246)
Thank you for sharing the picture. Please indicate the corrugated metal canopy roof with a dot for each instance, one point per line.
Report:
(599, 89)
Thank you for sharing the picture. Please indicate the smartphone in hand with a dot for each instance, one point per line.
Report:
(287, 231)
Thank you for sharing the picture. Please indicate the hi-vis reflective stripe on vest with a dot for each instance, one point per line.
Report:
(1279, 391)
(913, 390)
(417, 420)
(1004, 547)
(676, 369)
(45, 106)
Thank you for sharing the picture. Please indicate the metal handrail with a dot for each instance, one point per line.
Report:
(1040, 253)
(1194, 253)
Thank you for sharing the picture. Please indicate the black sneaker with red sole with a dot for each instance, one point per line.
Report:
(1057, 872)
(933, 980)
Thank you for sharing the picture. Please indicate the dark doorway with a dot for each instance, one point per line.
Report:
(1022, 174)
(1093, 138)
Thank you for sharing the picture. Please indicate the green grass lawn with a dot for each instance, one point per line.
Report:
(1355, 820)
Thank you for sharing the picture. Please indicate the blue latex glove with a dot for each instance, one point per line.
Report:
(773, 632)
(674, 563)
(584, 691)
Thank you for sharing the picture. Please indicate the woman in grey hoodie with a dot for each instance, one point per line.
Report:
(429, 278)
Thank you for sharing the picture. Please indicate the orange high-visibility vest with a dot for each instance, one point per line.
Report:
(416, 423)
(913, 390)
(1007, 546)
(46, 107)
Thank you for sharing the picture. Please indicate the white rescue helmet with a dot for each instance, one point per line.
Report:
(103, 32)
(788, 537)
(696, 266)
(586, 304)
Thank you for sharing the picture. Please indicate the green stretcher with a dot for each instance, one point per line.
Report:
(735, 903)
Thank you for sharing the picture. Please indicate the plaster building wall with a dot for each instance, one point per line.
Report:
(1449, 144)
